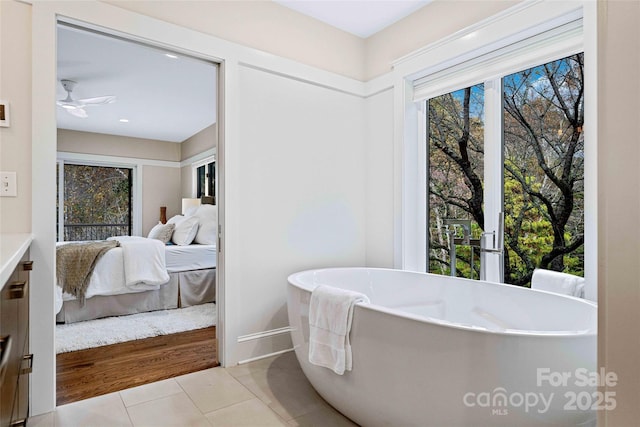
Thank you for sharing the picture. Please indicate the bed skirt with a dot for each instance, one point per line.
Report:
(185, 288)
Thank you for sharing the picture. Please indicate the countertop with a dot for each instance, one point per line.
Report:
(12, 247)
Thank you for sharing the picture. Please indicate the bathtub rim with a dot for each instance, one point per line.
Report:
(292, 280)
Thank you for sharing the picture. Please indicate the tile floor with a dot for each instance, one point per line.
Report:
(268, 392)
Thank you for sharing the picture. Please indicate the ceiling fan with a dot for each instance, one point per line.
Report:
(75, 107)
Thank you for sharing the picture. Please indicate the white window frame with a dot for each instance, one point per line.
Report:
(457, 62)
(106, 161)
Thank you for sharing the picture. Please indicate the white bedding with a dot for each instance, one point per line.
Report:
(144, 262)
(190, 257)
(110, 273)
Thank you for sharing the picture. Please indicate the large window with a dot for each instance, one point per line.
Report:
(541, 158)
(97, 202)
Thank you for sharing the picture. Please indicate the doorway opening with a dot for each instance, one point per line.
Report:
(150, 301)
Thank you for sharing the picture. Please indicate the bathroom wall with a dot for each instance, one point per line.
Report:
(15, 87)
(379, 179)
(300, 195)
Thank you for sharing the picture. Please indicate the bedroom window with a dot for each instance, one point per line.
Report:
(97, 202)
(205, 180)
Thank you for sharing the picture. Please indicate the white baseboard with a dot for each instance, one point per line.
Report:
(264, 356)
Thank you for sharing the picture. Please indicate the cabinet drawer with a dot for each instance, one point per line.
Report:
(14, 329)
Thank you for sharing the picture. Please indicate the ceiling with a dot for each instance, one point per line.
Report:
(163, 98)
(362, 18)
(172, 99)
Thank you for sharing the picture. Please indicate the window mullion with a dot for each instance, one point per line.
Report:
(493, 173)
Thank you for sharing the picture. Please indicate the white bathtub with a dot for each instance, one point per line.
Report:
(440, 351)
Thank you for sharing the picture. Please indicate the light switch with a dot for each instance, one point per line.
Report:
(8, 186)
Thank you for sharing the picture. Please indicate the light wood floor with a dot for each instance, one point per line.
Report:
(101, 370)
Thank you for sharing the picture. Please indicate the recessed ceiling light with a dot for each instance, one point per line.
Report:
(170, 55)
(124, 120)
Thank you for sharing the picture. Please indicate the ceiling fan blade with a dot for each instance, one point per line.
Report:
(78, 112)
(98, 100)
(68, 102)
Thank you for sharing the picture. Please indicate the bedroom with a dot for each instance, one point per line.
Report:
(144, 153)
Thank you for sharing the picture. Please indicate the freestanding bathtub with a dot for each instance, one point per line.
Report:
(433, 350)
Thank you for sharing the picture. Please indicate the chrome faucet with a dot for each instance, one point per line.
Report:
(496, 248)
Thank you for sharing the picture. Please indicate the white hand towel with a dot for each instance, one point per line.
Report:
(560, 283)
(330, 314)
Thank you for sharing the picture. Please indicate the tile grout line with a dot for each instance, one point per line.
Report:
(126, 409)
(155, 398)
(265, 403)
(227, 406)
(256, 396)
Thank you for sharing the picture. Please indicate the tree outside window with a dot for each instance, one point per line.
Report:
(97, 202)
(543, 150)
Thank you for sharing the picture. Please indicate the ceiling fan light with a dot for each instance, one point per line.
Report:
(69, 107)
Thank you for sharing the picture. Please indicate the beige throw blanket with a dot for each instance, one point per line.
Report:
(75, 263)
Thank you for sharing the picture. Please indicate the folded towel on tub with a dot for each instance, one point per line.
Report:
(330, 314)
(560, 283)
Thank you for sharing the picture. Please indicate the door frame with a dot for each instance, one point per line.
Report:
(132, 26)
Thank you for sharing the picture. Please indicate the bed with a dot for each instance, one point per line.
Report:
(144, 274)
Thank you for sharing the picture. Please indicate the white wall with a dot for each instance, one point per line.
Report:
(379, 177)
(301, 194)
(15, 87)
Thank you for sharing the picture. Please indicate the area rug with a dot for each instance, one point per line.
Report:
(112, 330)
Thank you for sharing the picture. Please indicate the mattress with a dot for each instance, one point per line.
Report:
(190, 257)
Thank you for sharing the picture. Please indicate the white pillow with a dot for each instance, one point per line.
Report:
(162, 232)
(175, 219)
(191, 211)
(186, 230)
(208, 219)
